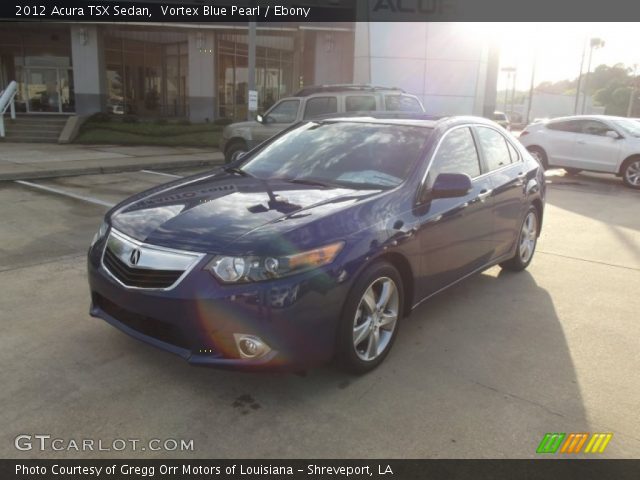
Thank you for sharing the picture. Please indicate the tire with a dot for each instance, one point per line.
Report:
(233, 150)
(528, 233)
(631, 173)
(572, 171)
(540, 155)
(370, 320)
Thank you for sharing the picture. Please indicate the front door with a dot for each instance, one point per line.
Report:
(455, 233)
(282, 115)
(49, 90)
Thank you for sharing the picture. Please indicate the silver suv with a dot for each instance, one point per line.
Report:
(311, 102)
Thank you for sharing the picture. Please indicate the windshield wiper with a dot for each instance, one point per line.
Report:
(237, 171)
(305, 181)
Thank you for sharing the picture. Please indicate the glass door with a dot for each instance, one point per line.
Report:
(49, 90)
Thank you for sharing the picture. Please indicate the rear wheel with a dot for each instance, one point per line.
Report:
(631, 173)
(370, 319)
(527, 241)
(234, 150)
(540, 155)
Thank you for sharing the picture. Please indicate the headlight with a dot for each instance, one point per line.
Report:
(102, 231)
(253, 269)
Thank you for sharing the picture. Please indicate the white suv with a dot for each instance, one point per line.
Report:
(598, 143)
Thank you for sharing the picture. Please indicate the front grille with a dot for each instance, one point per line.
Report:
(148, 326)
(139, 277)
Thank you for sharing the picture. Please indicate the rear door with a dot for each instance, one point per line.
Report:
(559, 142)
(505, 168)
(455, 233)
(318, 106)
(361, 103)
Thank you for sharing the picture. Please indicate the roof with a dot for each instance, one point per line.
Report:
(347, 87)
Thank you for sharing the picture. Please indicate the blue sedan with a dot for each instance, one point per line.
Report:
(316, 244)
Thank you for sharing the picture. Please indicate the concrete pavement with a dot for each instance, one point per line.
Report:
(24, 161)
(483, 370)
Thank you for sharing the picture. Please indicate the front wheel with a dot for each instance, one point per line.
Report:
(527, 241)
(370, 319)
(631, 173)
(234, 151)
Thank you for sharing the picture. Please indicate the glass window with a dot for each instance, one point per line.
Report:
(402, 103)
(360, 103)
(593, 127)
(494, 147)
(515, 156)
(630, 127)
(457, 154)
(565, 126)
(352, 154)
(320, 106)
(285, 111)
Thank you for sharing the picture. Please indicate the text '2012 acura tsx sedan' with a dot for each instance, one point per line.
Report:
(318, 242)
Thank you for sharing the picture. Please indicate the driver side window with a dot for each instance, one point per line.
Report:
(284, 112)
(457, 154)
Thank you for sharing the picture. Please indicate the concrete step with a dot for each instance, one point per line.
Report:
(35, 128)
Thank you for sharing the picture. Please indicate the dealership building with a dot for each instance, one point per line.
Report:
(200, 71)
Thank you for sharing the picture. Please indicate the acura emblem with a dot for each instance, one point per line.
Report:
(134, 258)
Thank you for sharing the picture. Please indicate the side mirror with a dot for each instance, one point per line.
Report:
(612, 134)
(259, 118)
(451, 185)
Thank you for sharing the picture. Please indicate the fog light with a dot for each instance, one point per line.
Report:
(250, 346)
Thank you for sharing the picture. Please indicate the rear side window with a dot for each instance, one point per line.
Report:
(360, 103)
(565, 126)
(495, 149)
(515, 156)
(401, 103)
(320, 106)
(457, 154)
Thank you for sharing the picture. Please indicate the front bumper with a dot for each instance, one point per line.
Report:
(296, 316)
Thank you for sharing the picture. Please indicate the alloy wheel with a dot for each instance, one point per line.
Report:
(632, 173)
(376, 319)
(528, 237)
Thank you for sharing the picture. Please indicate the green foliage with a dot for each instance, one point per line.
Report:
(130, 119)
(100, 117)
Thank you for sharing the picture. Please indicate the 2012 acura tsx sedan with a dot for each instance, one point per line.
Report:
(318, 242)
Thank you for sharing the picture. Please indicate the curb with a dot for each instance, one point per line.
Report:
(72, 172)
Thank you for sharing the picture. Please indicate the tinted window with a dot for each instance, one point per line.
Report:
(457, 154)
(593, 127)
(285, 111)
(494, 147)
(565, 126)
(359, 103)
(320, 106)
(402, 103)
(349, 153)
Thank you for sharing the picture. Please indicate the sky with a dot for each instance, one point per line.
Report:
(559, 48)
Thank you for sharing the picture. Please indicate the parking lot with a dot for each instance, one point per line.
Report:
(482, 370)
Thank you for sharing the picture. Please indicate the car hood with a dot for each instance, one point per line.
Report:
(228, 212)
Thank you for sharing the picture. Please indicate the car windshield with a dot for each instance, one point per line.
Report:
(630, 127)
(354, 154)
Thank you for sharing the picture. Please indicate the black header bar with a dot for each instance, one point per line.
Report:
(303, 11)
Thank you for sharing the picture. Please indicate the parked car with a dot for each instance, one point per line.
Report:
(310, 102)
(317, 243)
(597, 143)
(501, 119)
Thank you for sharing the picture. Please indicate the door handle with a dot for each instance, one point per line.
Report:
(484, 194)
